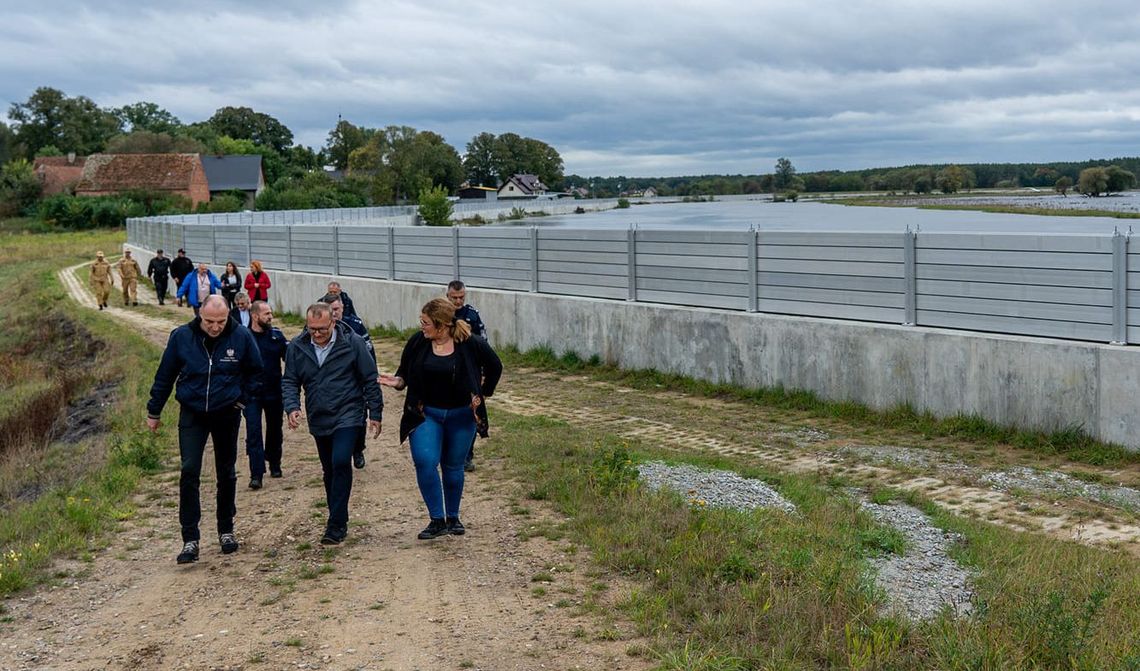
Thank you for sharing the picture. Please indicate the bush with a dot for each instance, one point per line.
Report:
(792, 195)
(622, 203)
(87, 212)
(19, 187)
(435, 208)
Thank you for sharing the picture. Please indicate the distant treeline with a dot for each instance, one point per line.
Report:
(904, 179)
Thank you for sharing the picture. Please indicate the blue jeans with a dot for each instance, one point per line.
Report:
(335, 451)
(438, 445)
(193, 430)
(269, 449)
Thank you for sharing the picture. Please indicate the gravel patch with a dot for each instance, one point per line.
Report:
(1056, 482)
(918, 584)
(892, 455)
(713, 488)
(926, 579)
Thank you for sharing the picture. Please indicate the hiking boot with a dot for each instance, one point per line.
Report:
(189, 553)
(274, 471)
(436, 528)
(455, 527)
(229, 543)
(469, 466)
(334, 535)
(255, 483)
(358, 459)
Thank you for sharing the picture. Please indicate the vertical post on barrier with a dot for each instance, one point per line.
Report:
(289, 247)
(910, 302)
(534, 259)
(631, 261)
(391, 252)
(455, 252)
(753, 269)
(248, 244)
(1119, 288)
(336, 250)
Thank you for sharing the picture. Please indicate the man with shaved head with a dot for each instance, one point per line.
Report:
(217, 367)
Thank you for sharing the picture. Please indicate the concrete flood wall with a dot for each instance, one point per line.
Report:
(1035, 383)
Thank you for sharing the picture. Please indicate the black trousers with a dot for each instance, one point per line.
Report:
(193, 430)
(160, 288)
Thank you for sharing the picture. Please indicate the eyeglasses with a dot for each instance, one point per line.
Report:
(319, 329)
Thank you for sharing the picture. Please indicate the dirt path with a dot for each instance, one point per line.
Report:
(382, 601)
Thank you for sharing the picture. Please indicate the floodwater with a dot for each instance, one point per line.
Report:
(736, 213)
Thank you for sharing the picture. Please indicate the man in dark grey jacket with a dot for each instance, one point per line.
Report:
(338, 375)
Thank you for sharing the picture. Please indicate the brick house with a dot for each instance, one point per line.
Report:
(178, 174)
(58, 174)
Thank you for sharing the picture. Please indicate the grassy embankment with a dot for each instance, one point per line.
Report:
(59, 498)
(722, 590)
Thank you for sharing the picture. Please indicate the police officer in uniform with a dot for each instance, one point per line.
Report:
(158, 270)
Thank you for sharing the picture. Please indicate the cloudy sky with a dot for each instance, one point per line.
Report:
(622, 88)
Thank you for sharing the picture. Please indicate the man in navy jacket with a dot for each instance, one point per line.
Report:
(217, 365)
(271, 342)
(338, 375)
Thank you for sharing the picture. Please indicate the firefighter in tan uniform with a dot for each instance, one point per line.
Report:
(101, 279)
(130, 272)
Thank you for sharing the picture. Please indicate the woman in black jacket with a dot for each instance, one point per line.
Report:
(447, 373)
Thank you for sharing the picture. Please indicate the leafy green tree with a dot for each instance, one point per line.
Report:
(951, 179)
(271, 162)
(513, 154)
(435, 207)
(1063, 184)
(19, 187)
(49, 117)
(782, 177)
(242, 123)
(479, 161)
(49, 150)
(1093, 181)
(7, 140)
(149, 142)
(146, 116)
(1119, 179)
(400, 162)
(344, 139)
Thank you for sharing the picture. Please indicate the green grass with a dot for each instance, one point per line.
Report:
(714, 588)
(931, 203)
(1072, 442)
(77, 494)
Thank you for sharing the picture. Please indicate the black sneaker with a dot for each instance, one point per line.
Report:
(255, 483)
(229, 543)
(455, 527)
(358, 459)
(436, 528)
(189, 553)
(274, 471)
(469, 466)
(334, 535)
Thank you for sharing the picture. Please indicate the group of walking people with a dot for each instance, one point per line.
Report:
(226, 363)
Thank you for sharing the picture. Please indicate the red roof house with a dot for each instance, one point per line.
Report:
(180, 174)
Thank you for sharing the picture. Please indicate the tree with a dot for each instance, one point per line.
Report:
(479, 161)
(401, 162)
(435, 207)
(1119, 179)
(512, 154)
(19, 187)
(242, 123)
(148, 142)
(49, 117)
(1093, 181)
(344, 139)
(271, 162)
(951, 179)
(1063, 184)
(7, 140)
(144, 116)
(782, 177)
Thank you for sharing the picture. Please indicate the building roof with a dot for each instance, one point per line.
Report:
(58, 173)
(527, 184)
(155, 172)
(242, 172)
